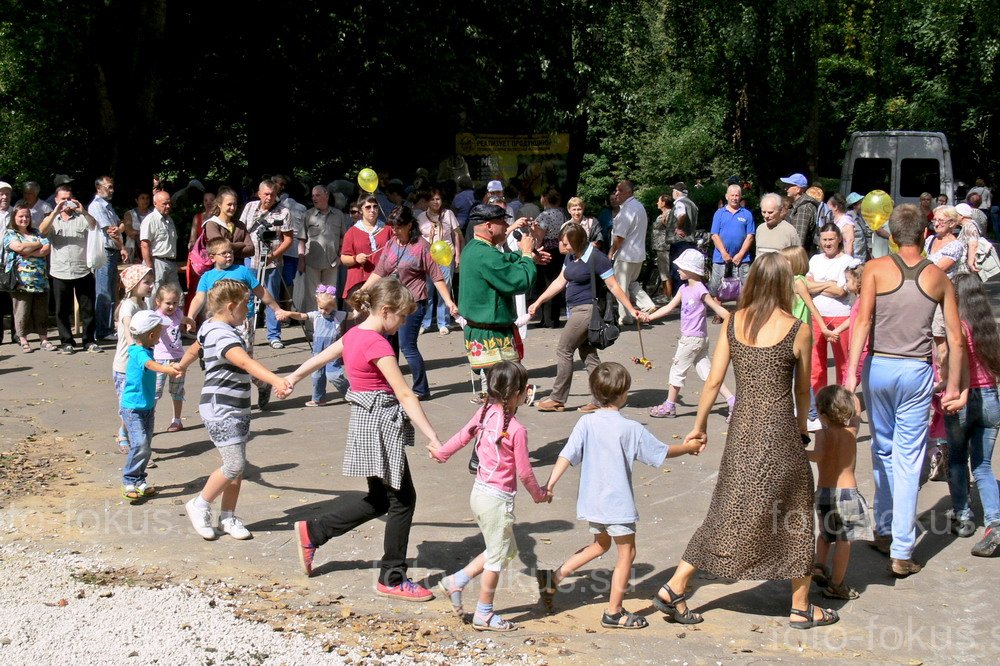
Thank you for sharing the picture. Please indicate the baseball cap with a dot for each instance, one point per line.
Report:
(4, 185)
(494, 186)
(796, 179)
(61, 179)
(144, 321)
(680, 186)
(853, 198)
(964, 210)
(481, 213)
(691, 261)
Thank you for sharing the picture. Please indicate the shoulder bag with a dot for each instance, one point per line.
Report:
(602, 331)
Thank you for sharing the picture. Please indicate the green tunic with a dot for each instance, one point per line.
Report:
(489, 281)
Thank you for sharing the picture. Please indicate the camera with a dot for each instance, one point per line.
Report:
(266, 234)
(69, 205)
(518, 234)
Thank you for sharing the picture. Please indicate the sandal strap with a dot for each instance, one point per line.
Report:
(807, 613)
(674, 598)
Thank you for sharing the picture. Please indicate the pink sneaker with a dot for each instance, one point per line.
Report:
(407, 591)
(306, 548)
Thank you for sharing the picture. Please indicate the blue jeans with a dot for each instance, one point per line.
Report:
(406, 341)
(972, 433)
(898, 392)
(106, 279)
(443, 316)
(335, 373)
(272, 282)
(139, 425)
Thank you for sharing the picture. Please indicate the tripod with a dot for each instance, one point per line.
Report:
(266, 236)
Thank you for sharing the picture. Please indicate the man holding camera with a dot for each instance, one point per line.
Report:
(158, 241)
(66, 228)
(271, 230)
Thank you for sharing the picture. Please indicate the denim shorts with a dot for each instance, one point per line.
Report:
(119, 380)
(612, 530)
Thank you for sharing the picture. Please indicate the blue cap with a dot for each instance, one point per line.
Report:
(853, 198)
(796, 179)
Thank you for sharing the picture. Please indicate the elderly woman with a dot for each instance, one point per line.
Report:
(844, 222)
(944, 248)
(225, 224)
(31, 297)
(827, 282)
(969, 235)
(582, 262)
(407, 256)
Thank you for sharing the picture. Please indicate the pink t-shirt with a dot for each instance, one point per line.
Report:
(979, 374)
(499, 466)
(693, 310)
(362, 349)
(412, 263)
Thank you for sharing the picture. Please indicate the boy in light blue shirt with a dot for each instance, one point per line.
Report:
(607, 444)
(138, 402)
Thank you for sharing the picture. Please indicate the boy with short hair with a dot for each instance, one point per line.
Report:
(608, 444)
(138, 403)
(221, 252)
(841, 510)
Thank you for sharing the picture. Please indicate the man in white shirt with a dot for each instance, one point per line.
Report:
(628, 249)
(106, 276)
(158, 241)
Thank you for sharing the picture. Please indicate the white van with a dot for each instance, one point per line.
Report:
(904, 164)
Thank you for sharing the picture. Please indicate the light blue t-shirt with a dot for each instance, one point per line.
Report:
(237, 272)
(608, 444)
(140, 383)
(732, 228)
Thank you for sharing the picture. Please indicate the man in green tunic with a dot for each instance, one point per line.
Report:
(490, 279)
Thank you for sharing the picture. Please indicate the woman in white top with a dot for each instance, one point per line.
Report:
(838, 206)
(827, 283)
(439, 223)
(132, 221)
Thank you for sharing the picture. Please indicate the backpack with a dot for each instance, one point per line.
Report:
(198, 256)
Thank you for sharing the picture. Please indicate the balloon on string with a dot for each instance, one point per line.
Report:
(876, 208)
(368, 180)
(441, 253)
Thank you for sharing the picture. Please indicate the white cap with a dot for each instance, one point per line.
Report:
(494, 186)
(5, 185)
(144, 321)
(963, 209)
(691, 261)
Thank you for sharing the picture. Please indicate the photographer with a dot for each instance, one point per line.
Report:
(271, 232)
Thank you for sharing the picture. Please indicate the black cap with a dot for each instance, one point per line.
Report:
(680, 186)
(481, 213)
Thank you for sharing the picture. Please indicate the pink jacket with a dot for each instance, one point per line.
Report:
(499, 466)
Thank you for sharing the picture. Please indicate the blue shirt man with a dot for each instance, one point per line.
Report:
(732, 233)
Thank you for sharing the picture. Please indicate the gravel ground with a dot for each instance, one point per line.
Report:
(52, 611)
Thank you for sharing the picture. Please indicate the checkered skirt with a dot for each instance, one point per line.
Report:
(376, 434)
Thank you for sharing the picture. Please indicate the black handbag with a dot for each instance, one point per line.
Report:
(602, 331)
(8, 270)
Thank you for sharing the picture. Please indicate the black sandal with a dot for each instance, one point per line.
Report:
(546, 587)
(670, 608)
(828, 617)
(631, 620)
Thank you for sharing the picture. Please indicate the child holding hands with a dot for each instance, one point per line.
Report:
(502, 447)
(328, 324)
(692, 348)
(225, 404)
(169, 348)
(138, 405)
(382, 409)
(607, 444)
(841, 511)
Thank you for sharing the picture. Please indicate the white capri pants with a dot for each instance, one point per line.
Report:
(691, 350)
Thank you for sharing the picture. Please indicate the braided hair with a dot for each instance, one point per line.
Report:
(503, 381)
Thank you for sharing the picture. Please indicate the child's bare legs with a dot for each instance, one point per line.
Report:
(623, 572)
(488, 587)
(841, 557)
(601, 545)
(822, 551)
(454, 584)
(476, 566)
(673, 393)
(218, 484)
(177, 409)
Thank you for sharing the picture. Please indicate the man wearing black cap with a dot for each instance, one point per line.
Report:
(490, 279)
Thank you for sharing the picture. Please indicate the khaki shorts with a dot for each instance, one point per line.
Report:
(495, 517)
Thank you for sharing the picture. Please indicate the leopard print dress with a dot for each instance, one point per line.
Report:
(760, 522)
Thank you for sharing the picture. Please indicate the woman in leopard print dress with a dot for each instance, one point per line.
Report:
(760, 522)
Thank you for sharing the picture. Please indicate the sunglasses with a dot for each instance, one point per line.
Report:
(355, 211)
(370, 207)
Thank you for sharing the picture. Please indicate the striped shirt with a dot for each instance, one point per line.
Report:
(226, 392)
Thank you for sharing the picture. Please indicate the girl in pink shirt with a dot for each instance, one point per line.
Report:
(502, 446)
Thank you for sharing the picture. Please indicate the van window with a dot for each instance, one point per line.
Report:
(919, 175)
(872, 173)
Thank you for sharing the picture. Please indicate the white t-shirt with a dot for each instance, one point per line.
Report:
(630, 224)
(824, 269)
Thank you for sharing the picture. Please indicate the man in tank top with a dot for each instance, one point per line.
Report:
(899, 294)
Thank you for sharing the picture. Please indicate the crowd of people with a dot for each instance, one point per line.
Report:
(911, 325)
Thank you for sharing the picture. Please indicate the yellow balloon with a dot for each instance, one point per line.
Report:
(441, 253)
(876, 208)
(368, 180)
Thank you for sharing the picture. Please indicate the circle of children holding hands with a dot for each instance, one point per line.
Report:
(762, 520)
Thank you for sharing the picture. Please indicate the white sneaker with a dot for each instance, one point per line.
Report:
(444, 330)
(201, 520)
(423, 329)
(234, 528)
(812, 425)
